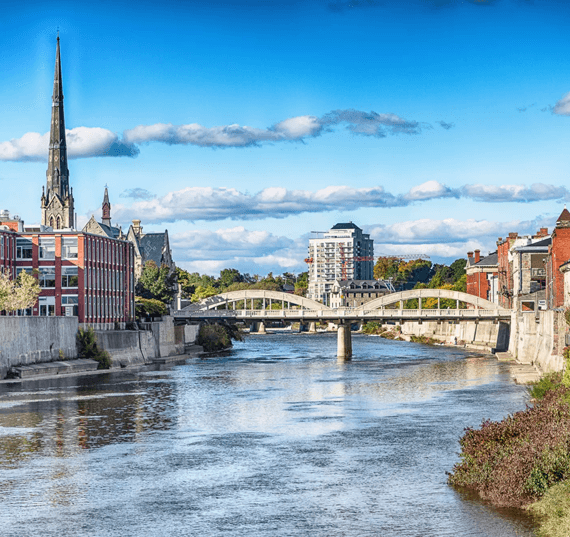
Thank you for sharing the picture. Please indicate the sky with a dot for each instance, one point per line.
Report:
(241, 126)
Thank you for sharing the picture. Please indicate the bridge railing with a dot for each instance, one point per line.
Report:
(348, 313)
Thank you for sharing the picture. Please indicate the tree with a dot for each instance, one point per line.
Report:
(18, 294)
(458, 268)
(158, 283)
(229, 276)
(386, 267)
(204, 292)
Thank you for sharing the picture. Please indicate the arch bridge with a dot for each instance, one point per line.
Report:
(261, 306)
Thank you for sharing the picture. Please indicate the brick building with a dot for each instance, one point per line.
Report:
(81, 275)
(558, 255)
(482, 275)
(7, 251)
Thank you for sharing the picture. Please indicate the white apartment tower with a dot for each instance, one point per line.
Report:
(342, 253)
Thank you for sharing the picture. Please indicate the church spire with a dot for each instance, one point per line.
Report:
(106, 209)
(57, 203)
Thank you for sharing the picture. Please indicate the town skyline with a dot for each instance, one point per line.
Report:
(475, 149)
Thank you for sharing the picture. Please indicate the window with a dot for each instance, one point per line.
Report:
(24, 248)
(47, 277)
(69, 248)
(47, 306)
(70, 305)
(29, 270)
(47, 248)
(2, 247)
(69, 276)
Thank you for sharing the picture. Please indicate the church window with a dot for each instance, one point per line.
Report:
(69, 248)
(24, 248)
(58, 223)
(51, 222)
(47, 277)
(47, 248)
(69, 276)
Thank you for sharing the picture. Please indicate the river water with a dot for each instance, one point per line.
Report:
(273, 438)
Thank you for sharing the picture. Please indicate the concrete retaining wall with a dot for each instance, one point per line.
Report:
(32, 340)
(484, 334)
(538, 339)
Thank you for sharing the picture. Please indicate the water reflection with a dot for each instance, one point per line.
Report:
(275, 437)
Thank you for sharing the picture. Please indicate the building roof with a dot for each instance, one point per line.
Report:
(564, 216)
(538, 246)
(490, 260)
(152, 245)
(362, 284)
(348, 225)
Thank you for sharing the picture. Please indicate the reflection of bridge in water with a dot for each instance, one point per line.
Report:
(259, 306)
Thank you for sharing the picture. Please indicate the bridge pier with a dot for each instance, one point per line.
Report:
(261, 328)
(344, 341)
(312, 327)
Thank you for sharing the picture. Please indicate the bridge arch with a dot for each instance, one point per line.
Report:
(402, 296)
(214, 302)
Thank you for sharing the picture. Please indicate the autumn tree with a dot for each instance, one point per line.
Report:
(18, 294)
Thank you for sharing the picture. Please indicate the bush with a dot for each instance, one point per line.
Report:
(217, 337)
(515, 461)
(149, 307)
(88, 348)
(554, 510)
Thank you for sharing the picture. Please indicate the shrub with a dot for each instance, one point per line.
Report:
(515, 461)
(88, 348)
(554, 510)
(217, 337)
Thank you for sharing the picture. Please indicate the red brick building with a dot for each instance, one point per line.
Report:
(7, 251)
(80, 274)
(558, 255)
(482, 275)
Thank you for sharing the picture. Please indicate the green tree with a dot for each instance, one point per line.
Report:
(204, 292)
(155, 282)
(229, 276)
(458, 268)
(386, 267)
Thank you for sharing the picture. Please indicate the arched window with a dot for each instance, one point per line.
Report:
(58, 223)
(51, 221)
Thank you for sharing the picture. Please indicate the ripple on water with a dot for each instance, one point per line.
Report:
(272, 438)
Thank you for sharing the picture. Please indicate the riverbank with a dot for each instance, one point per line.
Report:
(523, 460)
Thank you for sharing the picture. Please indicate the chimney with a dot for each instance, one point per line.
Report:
(477, 256)
(513, 235)
(470, 257)
(137, 228)
(542, 232)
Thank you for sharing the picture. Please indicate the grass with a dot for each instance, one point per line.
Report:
(554, 511)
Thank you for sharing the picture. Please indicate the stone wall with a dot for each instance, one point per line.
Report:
(538, 338)
(32, 340)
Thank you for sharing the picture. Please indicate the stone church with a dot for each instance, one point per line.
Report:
(57, 204)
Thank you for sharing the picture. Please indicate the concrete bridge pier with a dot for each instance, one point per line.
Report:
(261, 328)
(344, 341)
(312, 327)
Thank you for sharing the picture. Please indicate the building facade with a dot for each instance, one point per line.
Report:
(80, 275)
(355, 293)
(7, 251)
(482, 275)
(342, 253)
(558, 255)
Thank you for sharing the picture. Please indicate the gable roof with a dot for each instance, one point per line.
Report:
(152, 246)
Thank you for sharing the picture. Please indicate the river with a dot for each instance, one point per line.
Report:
(273, 438)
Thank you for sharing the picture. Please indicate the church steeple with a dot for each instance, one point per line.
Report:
(106, 209)
(57, 202)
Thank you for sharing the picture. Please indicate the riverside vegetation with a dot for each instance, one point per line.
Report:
(524, 460)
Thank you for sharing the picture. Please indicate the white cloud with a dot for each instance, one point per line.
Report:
(562, 107)
(516, 193)
(208, 203)
(82, 142)
(430, 190)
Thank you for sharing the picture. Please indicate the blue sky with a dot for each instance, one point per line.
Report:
(241, 126)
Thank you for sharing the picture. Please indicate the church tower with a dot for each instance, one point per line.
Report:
(106, 209)
(57, 200)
